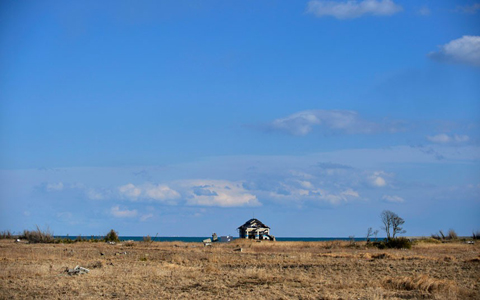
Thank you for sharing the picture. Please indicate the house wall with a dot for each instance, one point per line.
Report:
(254, 233)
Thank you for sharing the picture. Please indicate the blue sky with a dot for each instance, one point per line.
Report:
(189, 117)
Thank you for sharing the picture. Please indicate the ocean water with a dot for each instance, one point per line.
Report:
(198, 239)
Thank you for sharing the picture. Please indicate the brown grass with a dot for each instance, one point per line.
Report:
(266, 270)
(446, 289)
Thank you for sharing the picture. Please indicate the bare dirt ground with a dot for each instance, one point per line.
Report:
(266, 270)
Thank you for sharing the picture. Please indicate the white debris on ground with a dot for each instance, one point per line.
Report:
(77, 271)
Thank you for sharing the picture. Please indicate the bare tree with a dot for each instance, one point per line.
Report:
(371, 233)
(392, 224)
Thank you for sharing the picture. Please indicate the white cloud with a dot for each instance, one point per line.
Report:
(53, 187)
(218, 193)
(291, 187)
(353, 9)
(344, 121)
(393, 199)
(118, 213)
(377, 179)
(444, 138)
(160, 192)
(130, 191)
(465, 50)
(149, 192)
(351, 193)
(288, 191)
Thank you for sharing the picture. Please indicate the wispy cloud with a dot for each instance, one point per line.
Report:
(330, 184)
(221, 193)
(146, 217)
(465, 50)
(429, 151)
(77, 188)
(468, 9)
(95, 194)
(329, 121)
(332, 166)
(149, 192)
(392, 199)
(297, 190)
(352, 8)
(119, 213)
(424, 11)
(444, 138)
(51, 187)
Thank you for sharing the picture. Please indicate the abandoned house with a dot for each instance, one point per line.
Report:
(255, 230)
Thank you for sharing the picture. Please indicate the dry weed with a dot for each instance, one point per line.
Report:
(422, 283)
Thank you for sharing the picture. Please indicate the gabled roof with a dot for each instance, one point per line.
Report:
(253, 223)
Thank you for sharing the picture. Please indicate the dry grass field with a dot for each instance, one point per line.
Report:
(262, 270)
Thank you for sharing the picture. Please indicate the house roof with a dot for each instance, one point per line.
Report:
(253, 223)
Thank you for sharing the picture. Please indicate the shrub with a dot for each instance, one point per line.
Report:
(6, 234)
(112, 236)
(147, 239)
(65, 240)
(95, 239)
(79, 238)
(399, 243)
(476, 235)
(452, 235)
(38, 236)
(396, 243)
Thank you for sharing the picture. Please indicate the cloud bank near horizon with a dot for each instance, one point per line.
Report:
(330, 180)
(330, 122)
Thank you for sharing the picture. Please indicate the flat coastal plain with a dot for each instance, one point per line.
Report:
(261, 270)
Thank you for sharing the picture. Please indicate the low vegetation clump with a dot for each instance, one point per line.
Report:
(396, 243)
(65, 240)
(112, 236)
(451, 236)
(6, 234)
(38, 236)
(476, 235)
(79, 238)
